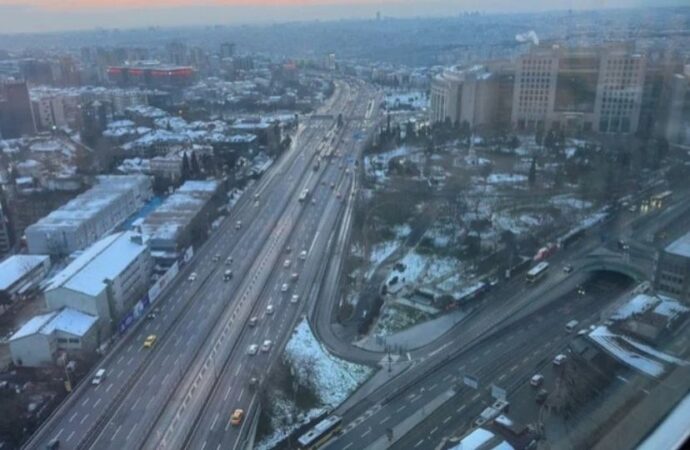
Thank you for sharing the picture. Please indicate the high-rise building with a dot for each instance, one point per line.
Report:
(475, 95)
(49, 112)
(16, 119)
(579, 89)
(227, 50)
(677, 126)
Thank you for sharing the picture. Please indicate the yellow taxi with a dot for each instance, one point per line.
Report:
(150, 341)
(237, 417)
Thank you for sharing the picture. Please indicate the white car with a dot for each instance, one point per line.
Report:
(294, 299)
(98, 377)
(253, 321)
(294, 276)
(303, 255)
(192, 276)
(266, 346)
(228, 260)
(216, 258)
(286, 264)
(559, 359)
(253, 349)
(536, 380)
(284, 287)
(269, 309)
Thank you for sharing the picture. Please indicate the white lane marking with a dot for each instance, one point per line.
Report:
(109, 387)
(366, 432)
(384, 420)
(476, 396)
(86, 416)
(227, 393)
(419, 443)
(446, 420)
(96, 403)
(131, 431)
(85, 401)
(434, 430)
(112, 438)
(460, 408)
(70, 436)
(400, 409)
(215, 419)
(72, 418)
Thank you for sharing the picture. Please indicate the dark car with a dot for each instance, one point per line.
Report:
(541, 396)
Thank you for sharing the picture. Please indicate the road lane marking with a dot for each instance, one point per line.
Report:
(434, 430)
(227, 392)
(446, 420)
(112, 438)
(59, 433)
(514, 368)
(384, 420)
(400, 409)
(239, 397)
(476, 396)
(85, 401)
(502, 377)
(96, 403)
(131, 431)
(70, 436)
(215, 419)
(366, 432)
(347, 446)
(109, 387)
(460, 408)
(86, 416)
(419, 443)
(73, 416)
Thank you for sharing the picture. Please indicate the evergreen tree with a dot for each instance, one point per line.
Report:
(185, 167)
(532, 178)
(195, 170)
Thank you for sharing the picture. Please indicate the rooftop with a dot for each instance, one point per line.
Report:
(106, 259)
(66, 320)
(16, 266)
(680, 247)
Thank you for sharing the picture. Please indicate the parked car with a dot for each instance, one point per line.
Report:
(536, 380)
(559, 359)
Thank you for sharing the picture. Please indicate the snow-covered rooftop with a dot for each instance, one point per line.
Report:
(66, 320)
(475, 440)
(16, 266)
(680, 247)
(106, 259)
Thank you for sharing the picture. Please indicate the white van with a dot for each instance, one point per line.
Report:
(570, 326)
(98, 377)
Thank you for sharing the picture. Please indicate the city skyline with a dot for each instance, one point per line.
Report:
(50, 16)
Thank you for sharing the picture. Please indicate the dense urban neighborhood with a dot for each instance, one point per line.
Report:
(468, 232)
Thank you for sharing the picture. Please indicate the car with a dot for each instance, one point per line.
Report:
(256, 197)
(632, 208)
(581, 290)
(286, 264)
(540, 398)
(288, 249)
(216, 258)
(98, 377)
(313, 201)
(332, 185)
(337, 195)
(227, 276)
(303, 255)
(266, 346)
(151, 316)
(150, 340)
(238, 224)
(237, 417)
(294, 299)
(294, 276)
(228, 260)
(559, 360)
(253, 381)
(192, 276)
(567, 268)
(347, 170)
(252, 349)
(284, 287)
(269, 309)
(536, 380)
(253, 321)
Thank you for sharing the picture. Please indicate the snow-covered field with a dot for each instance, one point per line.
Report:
(332, 379)
(501, 178)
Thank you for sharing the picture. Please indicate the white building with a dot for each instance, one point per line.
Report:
(105, 281)
(90, 216)
(21, 273)
(39, 341)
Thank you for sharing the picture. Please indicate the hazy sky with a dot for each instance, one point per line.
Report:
(51, 15)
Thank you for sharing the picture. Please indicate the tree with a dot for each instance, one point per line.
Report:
(195, 170)
(539, 135)
(185, 167)
(532, 177)
(514, 143)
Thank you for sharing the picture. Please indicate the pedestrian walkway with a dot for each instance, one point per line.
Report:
(414, 337)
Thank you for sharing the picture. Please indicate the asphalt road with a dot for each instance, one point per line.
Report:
(508, 359)
(116, 413)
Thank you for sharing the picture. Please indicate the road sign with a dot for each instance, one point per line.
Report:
(471, 381)
(498, 392)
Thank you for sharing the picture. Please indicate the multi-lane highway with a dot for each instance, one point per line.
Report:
(201, 320)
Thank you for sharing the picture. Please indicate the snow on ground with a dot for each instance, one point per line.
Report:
(282, 411)
(377, 165)
(395, 318)
(379, 252)
(421, 269)
(402, 231)
(333, 379)
(570, 202)
(636, 305)
(520, 224)
(621, 350)
(504, 178)
(416, 100)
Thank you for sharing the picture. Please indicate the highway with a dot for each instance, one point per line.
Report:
(140, 381)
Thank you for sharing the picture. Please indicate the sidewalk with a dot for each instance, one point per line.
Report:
(414, 337)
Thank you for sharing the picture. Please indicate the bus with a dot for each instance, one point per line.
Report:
(659, 200)
(321, 433)
(537, 272)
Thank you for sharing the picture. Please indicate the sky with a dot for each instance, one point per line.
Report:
(18, 16)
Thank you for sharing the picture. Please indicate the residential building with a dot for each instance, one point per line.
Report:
(105, 281)
(20, 274)
(39, 342)
(49, 112)
(89, 216)
(673, 269)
